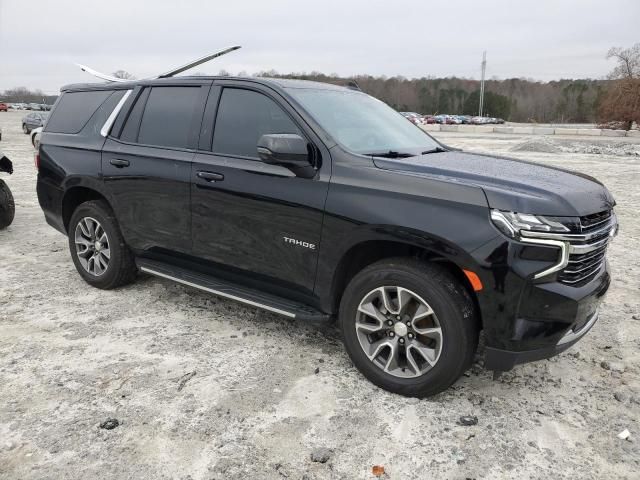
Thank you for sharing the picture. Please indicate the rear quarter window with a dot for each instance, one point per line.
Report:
(74, 109)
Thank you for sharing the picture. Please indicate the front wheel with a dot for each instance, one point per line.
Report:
(25, 129)
(97, 247)
(7, 206)
(409, 326)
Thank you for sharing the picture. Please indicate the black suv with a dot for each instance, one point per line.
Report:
(315, 201)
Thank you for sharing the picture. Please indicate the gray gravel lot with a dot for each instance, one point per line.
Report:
(204, 388)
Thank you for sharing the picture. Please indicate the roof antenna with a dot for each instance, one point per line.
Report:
(170, 73)
(353, 85)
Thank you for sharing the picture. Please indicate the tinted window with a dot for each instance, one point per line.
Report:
(243, 117)
(74, 110)
(168, 115)
(130, 130)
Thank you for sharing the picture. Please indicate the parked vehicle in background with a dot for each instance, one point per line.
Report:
(413, 117)
(17, 106)
(4, 107)
(315, 201)
(34, 107)
(33, 120)
(45, 107)
(430, 119)
(7, 204)
(35, 137)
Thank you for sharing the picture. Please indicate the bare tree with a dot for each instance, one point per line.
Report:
(628, 62)
(621, 102)
(123, 74)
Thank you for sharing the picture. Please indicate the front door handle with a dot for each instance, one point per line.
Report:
(211, 176)
(116, 162)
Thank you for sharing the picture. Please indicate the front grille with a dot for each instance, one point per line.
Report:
(588, 248)
(592, 222)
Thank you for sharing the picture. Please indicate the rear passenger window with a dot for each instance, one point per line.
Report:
(168, 115)
(74, 110)
(243, 117)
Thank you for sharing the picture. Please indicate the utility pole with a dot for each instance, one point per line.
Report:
(484, 67)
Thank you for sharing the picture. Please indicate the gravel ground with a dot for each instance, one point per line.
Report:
(205, 388)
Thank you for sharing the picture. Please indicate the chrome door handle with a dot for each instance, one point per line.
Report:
(116, 162)
(211, 176)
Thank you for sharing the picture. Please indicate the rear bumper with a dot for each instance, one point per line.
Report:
(502, 360)
(50, 199)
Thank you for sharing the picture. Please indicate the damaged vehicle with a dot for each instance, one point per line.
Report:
(319, 202)
(7, 204)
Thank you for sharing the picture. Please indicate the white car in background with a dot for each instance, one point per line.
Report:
(35, 137)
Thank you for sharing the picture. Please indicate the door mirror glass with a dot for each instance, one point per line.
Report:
(287, 149)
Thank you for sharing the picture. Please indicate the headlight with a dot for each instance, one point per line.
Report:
(511, 223)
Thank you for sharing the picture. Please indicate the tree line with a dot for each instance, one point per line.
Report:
(514, 99)
(25, 95)
(616, 99)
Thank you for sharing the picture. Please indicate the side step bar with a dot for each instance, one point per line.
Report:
(226, 289)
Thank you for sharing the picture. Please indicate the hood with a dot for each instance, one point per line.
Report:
(510, 184)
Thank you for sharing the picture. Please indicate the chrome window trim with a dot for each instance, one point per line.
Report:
(106, 128)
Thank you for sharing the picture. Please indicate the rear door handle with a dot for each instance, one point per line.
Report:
(116, 162)
(211, 176)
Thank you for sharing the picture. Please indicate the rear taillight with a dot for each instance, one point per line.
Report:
(36, 160)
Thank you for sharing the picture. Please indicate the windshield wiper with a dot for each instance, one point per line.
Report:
(391, 154)
(434, 150)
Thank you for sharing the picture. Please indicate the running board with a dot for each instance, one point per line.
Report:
(226, 289)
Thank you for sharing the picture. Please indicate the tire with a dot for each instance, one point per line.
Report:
(25, 129)
(7, 206)
(120, 266)
(453, 314)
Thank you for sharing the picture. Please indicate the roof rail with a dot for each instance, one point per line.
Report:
(170, 73)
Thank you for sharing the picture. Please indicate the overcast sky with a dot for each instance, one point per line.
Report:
(545, 40)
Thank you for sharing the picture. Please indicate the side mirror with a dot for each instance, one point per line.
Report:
(286, 149)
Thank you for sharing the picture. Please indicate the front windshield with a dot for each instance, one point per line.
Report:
(361, 123)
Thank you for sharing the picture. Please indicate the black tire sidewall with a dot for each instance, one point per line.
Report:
(116, 248)
(459, 341)
(7, 206)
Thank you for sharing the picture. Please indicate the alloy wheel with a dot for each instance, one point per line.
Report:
(92, 246)
(398, 331)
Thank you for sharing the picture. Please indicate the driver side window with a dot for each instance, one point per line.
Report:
(243, 117)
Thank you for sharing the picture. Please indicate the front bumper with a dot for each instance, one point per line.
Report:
(502, 360)
(527, 319)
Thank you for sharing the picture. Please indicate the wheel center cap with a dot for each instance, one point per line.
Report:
(98, 246)
(400, 329)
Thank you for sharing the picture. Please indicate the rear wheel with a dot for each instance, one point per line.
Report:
(97, 247)
(410, 327)
(7, 206)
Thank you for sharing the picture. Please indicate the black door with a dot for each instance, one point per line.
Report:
(147, 169)
(246, 213)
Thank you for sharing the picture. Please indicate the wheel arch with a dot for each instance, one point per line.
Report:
(365, 253)
(74, 197)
